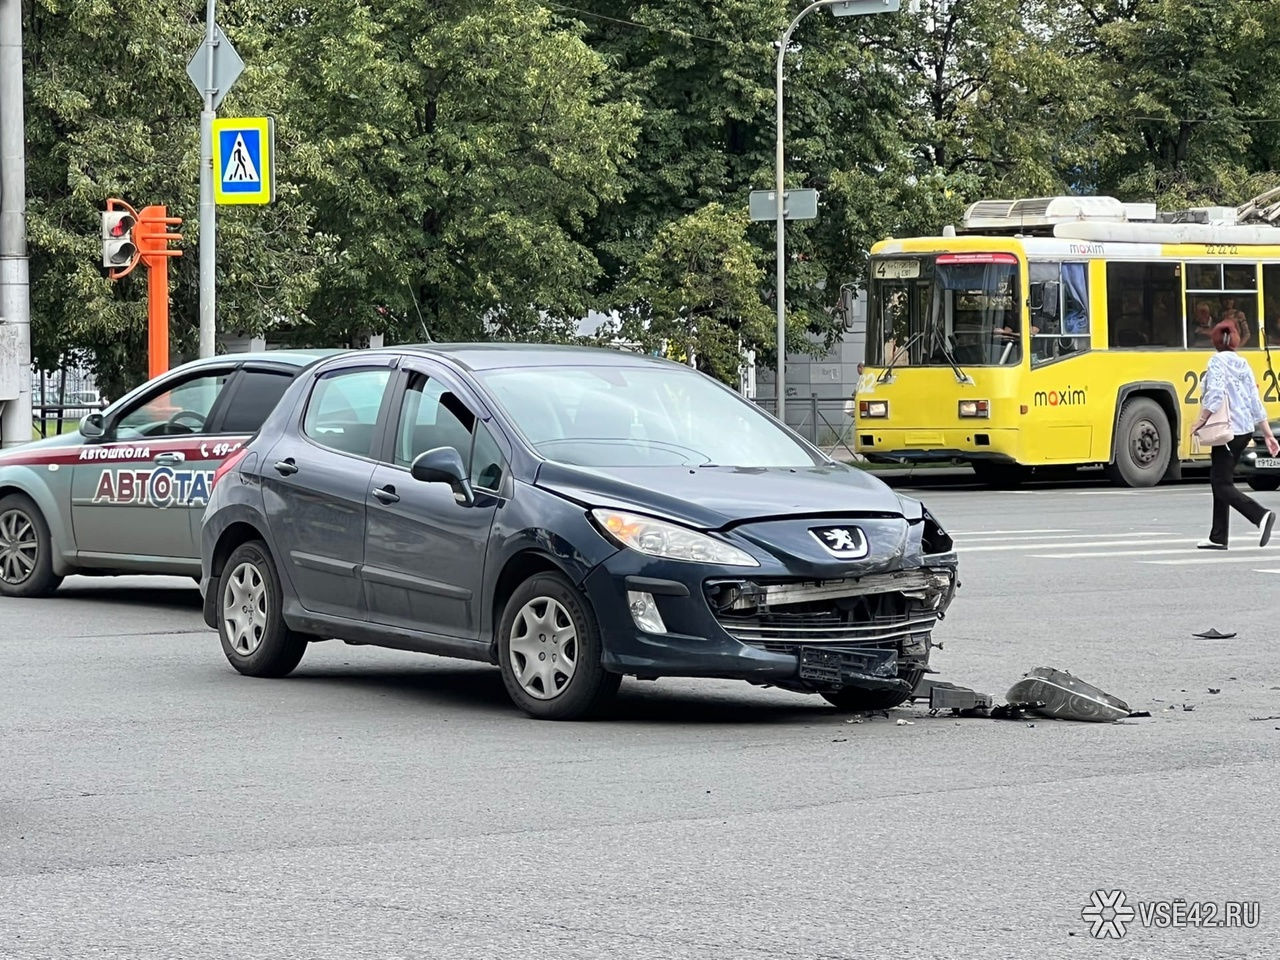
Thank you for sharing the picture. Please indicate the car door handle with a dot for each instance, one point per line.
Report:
(387, 494)
(286, 467)
(168, 459)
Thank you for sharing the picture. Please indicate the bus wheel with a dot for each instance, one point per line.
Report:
(1144, 444)
(1002, 476)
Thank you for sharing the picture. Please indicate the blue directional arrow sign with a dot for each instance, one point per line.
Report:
(244, 160)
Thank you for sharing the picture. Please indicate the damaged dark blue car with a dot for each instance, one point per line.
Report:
(572, 516)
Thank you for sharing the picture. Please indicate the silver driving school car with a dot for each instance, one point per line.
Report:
(572, 516)
(126, 492)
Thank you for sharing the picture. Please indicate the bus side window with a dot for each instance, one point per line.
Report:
(1144, 305)
(1061, 328)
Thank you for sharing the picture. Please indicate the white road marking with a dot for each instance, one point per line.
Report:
(1215, 556)
(1129, 553)
(1003, 533)
(1082, 545)
(1031, 541)
(1260, 570)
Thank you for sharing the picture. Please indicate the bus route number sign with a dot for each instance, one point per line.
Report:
(896, 269)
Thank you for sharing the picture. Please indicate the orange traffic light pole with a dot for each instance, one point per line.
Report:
(152, 240)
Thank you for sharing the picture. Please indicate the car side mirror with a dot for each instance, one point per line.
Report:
(92, 426)
(1045, 295)
(444, 465)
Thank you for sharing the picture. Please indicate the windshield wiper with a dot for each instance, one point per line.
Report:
(902, 352)
(961, 376)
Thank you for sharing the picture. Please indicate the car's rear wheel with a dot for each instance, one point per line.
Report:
(859, 700)
(26, 549)
(1264, 483)
(549, 651)
(251, 626)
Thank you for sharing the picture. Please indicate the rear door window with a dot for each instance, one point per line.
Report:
(342, 412)
(256, 394)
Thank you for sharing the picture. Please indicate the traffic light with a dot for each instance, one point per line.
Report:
(118, 248)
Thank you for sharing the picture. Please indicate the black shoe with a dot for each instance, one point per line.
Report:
(1268, 521)
(1210, 545)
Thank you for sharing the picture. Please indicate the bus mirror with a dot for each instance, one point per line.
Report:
(1045, 295)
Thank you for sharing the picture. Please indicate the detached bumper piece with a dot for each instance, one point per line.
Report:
(868, 669)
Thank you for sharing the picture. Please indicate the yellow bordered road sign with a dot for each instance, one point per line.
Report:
(244, 160)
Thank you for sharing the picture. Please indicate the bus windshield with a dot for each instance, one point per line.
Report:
(929, 311)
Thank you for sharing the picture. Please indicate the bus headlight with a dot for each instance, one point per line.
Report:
(975, 408)
(873, 409)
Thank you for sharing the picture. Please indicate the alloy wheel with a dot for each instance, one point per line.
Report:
(19, 547)
(244, 608)
(544, 648)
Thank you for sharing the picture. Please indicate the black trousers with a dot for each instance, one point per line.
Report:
(1225, 493)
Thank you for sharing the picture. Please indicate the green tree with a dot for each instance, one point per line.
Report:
(111, 112)
(454, 152)
(695, 293)
(1193, 95)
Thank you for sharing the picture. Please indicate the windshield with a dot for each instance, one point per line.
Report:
(601, 416)
(965, 305)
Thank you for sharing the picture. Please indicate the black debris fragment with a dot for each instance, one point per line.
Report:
(1140, 713)
(1213, 634)
(1215, 689)
(1188, 707)
(1272, 717)
(1066, 697)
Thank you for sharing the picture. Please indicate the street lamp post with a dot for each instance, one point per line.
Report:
(841, 8)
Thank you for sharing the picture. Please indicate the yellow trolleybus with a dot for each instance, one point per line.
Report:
(1064, 331)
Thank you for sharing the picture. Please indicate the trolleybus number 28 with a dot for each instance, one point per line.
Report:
(1195, 387)
(1221, 250)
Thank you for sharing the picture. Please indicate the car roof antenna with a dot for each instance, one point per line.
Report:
(425, 332)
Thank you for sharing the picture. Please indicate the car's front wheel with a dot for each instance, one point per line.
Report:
(251, 626)
(861, 700)
(26, 549)
(549, 651)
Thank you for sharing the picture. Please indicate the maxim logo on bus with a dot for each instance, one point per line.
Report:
(1060, 398)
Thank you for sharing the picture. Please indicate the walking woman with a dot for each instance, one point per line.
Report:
(1230, 380)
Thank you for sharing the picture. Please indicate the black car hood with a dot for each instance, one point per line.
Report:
(712, 498)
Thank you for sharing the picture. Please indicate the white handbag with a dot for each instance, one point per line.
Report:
(1216, 431)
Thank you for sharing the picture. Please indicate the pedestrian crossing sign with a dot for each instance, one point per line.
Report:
(244, 160)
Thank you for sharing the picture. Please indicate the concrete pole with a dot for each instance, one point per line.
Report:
(15, 294)
(208, 210)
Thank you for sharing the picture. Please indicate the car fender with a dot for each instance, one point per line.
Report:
(55, 507)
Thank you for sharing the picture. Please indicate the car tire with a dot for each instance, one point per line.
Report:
(255, 638)
(1144, 444)
(859, 700)
(26, 549)
(1264, 484)
(550, 618)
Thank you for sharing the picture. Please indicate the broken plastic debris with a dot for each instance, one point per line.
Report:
(1140, 713)
(1215, 689)
(1058, 694)
(1213, 634)
(906, 723)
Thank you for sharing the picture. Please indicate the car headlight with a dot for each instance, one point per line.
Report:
(657, 538)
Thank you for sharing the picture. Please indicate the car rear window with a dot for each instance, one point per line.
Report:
(256, 395)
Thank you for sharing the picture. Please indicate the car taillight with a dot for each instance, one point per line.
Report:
(228, 465)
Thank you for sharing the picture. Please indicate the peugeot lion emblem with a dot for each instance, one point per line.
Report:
(843, 543)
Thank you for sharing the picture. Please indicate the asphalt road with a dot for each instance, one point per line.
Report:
(153, 803)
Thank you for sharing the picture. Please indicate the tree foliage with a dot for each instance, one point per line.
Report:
(455, 170)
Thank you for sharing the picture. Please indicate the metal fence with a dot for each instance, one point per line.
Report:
(823, 421)
(61, 398)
